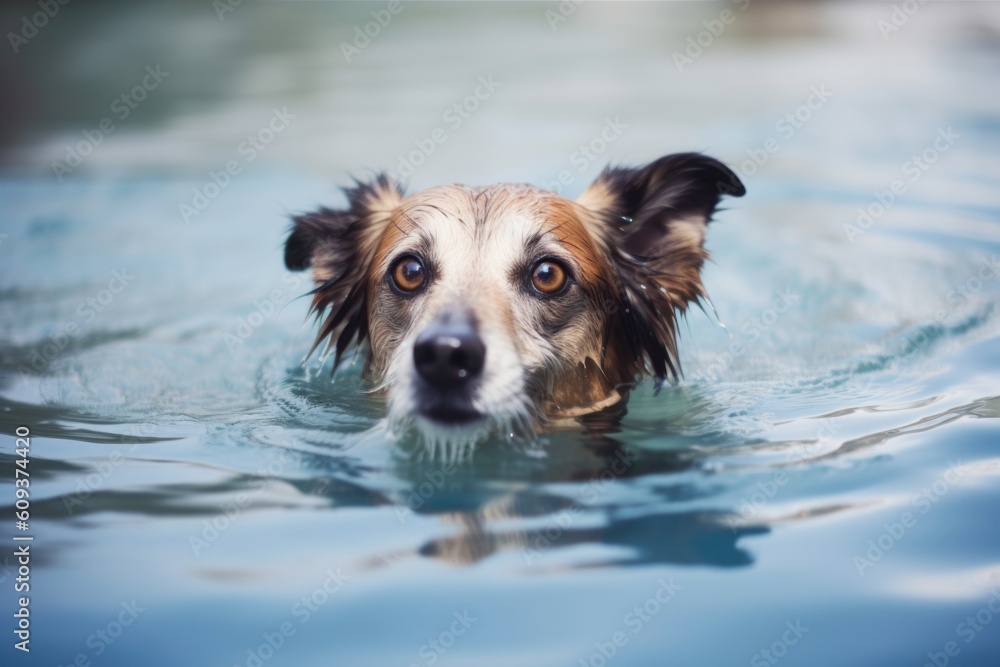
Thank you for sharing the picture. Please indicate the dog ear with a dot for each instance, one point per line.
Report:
(653, 221)
(339, 246)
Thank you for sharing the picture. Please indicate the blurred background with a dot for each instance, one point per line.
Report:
(821, 488)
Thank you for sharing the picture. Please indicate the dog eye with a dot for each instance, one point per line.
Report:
(408, 274)
(549, 277)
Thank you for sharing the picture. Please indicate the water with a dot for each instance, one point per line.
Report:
(822, 485)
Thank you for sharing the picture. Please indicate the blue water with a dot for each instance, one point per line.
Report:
(822, 487)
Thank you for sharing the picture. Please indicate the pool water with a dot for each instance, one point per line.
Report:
(821, 488)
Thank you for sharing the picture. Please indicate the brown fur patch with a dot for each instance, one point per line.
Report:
(581, 390)
(391, 234)
(597, 197)
(574, 228)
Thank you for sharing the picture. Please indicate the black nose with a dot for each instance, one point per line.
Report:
(449, 353)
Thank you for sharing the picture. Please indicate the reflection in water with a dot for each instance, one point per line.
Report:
(690, 538)
(535, 522)
(988, 408)
(53, 421)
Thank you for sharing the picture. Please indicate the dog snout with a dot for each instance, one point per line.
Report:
(449, 353)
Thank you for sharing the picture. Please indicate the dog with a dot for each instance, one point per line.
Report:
(509, 306)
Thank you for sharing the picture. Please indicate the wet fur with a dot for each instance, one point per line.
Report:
(635, 243)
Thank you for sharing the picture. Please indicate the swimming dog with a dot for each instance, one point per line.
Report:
(509, 306)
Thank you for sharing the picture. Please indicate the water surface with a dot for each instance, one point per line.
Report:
(821, 488)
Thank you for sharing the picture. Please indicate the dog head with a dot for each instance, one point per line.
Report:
(509, 304)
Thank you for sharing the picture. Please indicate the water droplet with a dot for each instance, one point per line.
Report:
(718, 320)
(627, 219)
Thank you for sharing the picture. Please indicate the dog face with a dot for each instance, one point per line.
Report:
(507, 305)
